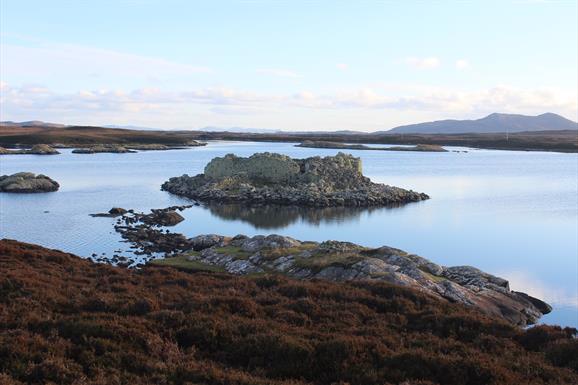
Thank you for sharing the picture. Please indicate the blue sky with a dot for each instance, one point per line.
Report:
(293, 65)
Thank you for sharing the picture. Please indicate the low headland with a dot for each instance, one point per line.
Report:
(66, 320)
(278, 179)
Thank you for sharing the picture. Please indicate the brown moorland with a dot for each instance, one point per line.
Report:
(66, 320)
(562, 141)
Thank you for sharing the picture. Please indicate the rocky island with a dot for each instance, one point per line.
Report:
(346, 146)
(278, 179)
(27, 182)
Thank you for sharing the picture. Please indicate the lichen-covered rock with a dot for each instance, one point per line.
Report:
(274, 178)
(344, 261)
(27, 182)
(42, 149)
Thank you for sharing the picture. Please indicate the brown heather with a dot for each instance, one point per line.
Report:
(65, 320)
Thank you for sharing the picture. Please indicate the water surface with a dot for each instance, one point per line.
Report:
(510, 213)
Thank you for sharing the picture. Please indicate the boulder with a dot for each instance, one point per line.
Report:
(27, 182)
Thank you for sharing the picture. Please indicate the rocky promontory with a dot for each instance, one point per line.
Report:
(278, 179)
(346, 146)
(27, 182)
(344, 261)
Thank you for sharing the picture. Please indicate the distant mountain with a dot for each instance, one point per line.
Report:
(30, 123)
(492, 123)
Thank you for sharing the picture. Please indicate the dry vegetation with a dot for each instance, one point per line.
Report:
(564, 141)
(65, 320)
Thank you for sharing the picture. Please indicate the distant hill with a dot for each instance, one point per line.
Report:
(490, 124)
(30, 123)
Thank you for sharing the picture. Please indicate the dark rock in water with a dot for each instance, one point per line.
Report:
(344, 261)
(27, 182)
(163, 218)
(113, 212)
(117, 211)
(275, 178)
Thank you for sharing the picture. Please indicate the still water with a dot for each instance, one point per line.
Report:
(510, 213)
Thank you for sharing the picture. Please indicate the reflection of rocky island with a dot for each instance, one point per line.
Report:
(278, 179)
(27, 182)
(345, 146)
(344, 261)
(279, 216)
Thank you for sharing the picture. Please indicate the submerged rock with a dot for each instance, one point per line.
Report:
(344, 261)
(27, 182)
(279, 179)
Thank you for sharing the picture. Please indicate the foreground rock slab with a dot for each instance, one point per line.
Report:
(344, 261)
(278, 179)
(27, 182)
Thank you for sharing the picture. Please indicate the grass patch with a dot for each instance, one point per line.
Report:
(234, 251)
(272, 254)
(181, 262)
(432, 277)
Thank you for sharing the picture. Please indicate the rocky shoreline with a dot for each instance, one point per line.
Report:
(344, 261)
(329, 260)
(27, 182)
(345, 146)
(269, 178)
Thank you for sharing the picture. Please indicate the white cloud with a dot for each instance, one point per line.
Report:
(350, 108)
(342, 66)
(462, 64)
(423, 63)
(67, 61)
(279, 72)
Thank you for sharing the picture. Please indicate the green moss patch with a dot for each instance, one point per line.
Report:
(182, 262)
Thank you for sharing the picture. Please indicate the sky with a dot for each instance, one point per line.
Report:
(290, 65)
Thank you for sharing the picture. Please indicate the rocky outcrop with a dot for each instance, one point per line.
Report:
(337, 145)
(27, 182)
(278, 179)
(344, 261)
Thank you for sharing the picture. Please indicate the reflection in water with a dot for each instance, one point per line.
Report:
(276, 216)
